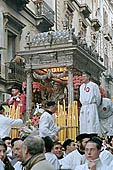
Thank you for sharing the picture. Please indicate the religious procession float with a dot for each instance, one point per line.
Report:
(54, 62)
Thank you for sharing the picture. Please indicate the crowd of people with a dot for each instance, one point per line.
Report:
(42, 150)
(38, 153)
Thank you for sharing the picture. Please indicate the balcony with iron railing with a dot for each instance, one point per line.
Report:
(96, 20)
(109, 74)
(108, 32)
(85, 10)
(14, 72)
(45, 16)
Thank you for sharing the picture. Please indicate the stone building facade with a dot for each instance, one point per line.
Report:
(19, 21)
(93, 20)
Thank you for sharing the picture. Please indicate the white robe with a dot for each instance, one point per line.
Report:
(18, 165)
(47, 126)
(111, 166)
(99, 166)
(72, 160)
(90, 99)
(1, 165)
(6, 124)
(51, 157)
(106, 157)
(106, 116)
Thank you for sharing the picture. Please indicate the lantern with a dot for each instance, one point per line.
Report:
(37, 1)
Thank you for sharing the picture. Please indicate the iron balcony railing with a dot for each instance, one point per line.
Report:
(108, 31)
(45, 10)
(15, 71)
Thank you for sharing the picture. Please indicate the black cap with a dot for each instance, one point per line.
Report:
(14, 140)
(87, 73)
(67, 142)
(51, 103)
(15, 87)
(97, 140)
(6, 138)
(82, 136)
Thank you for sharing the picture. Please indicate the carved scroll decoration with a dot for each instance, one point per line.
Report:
(48, 75)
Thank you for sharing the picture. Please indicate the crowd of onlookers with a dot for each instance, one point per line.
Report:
(36, 153)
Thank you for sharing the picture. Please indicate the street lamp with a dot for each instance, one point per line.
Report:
(37, 1)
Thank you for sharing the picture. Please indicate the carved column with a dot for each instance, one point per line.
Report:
(70, 86)
(29, 94)
(1, 29)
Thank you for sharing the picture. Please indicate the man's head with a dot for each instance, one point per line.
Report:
(3, 149)
(86, 77)
(57, 150)
(7, 141)
(93, 148)
(69, 145)
(32, 145)
(15, 90)
(17, 149)
(52, 106)
(56, 86)
(82, 139)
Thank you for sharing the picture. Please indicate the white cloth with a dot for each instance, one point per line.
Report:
(9, 152)
(47, 126)
(1, 165)
(72, 160)
(6, 124)
(99, 166)
(111, 166)
(106, 157)
(106, 116)
(52, 159)
(18, 166)
(90, 98)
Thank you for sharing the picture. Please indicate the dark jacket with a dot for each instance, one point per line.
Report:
(8, 165)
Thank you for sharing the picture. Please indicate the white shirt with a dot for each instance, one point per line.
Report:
(106, 157)
(72, 160)
(1, 165)
(6, 124)
(111, 166)
(18, 166)
(52, 159)
(47, 126)
(99, 166)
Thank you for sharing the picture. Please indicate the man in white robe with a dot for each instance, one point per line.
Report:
(77, 157)
(90, 99)
(49, 155)
(92, 152)
(106, 116)
(47, 124)
(7, 123)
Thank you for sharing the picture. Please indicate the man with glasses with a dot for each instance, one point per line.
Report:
(92, 152)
